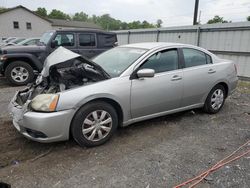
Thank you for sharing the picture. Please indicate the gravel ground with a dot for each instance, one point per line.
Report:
(162, 152)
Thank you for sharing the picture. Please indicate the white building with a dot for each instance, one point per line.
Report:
(22, 22)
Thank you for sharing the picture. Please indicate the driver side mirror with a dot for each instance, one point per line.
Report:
(54, 43)
(146, 73)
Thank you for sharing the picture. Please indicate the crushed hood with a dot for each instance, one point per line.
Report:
(61, 55)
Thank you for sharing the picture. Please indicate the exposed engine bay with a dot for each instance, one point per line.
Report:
(63, 76)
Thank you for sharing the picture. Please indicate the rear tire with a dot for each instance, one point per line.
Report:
(94, 124)
(19, 73)
(215, 100)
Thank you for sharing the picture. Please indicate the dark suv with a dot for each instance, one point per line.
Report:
(19, 63)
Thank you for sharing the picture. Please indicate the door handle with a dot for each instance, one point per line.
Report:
(176, 77)
(211, 71)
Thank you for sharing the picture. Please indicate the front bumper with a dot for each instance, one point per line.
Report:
(41, 127)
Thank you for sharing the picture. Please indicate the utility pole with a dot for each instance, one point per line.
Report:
(199, 20)
(195, 11)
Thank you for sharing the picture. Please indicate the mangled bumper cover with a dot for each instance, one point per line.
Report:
(38, 126)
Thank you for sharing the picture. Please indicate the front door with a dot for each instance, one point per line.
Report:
(161, 93)
(67, 40)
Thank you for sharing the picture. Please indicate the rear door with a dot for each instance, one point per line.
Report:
(199, 74)
(87, 44)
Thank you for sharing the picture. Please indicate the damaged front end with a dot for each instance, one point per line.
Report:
(63, 70)
(29, 108)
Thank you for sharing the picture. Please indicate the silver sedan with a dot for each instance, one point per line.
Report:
(89, 99)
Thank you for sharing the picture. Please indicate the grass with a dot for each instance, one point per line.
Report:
(244, 86)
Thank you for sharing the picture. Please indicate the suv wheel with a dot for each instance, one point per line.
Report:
(19, 73)
(215, 100)
(94, 124)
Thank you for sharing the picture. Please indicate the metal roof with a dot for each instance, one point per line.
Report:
(71, 23)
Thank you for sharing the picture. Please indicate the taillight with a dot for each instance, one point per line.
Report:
(235, 68)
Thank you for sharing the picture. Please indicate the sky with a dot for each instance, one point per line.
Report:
(171, 12)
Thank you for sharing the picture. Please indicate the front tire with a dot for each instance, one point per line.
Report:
(19, 73)
(94, 124)
(215, 100)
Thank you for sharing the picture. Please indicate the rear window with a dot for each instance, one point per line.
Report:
(107, 40)
(87, 40)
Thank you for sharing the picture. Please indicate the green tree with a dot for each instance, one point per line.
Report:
(134, 25)
(2, 9)
(248, 18)
(41, 12)
(124, 25)
(80, 16)
(107, 22)
(217, 19)
(145, 24)
(158, 23)
(57, 14)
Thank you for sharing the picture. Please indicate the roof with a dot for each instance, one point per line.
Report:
(58, 22)
(71, 23)
(84, 30)
(158, 45)
(22, 7)
(151, 45)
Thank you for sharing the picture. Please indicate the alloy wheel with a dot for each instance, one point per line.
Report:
(97, 125)
(217, 99)
(19, 74)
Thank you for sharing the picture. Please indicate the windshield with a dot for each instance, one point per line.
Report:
(18, 40)
(9, 40)
(117, 60)
(46, 37)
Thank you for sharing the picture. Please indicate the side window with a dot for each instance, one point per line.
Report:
(209, 59)
(162, 61)
(106, 40)
(28, 25)
(31, 42)
(194, 57)
(65, 39)
(87, 40)
(16, 25)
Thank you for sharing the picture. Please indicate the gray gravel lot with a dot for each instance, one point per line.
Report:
(162, 152)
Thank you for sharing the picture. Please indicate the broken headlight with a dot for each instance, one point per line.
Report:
(45, 102)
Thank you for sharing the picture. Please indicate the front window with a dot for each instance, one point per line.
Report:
(46, 37)
(162, 61)
(117, 60)
(65, 39)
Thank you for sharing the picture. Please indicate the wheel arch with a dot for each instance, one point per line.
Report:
(223, 83)
(110, 101)
(25, 58)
